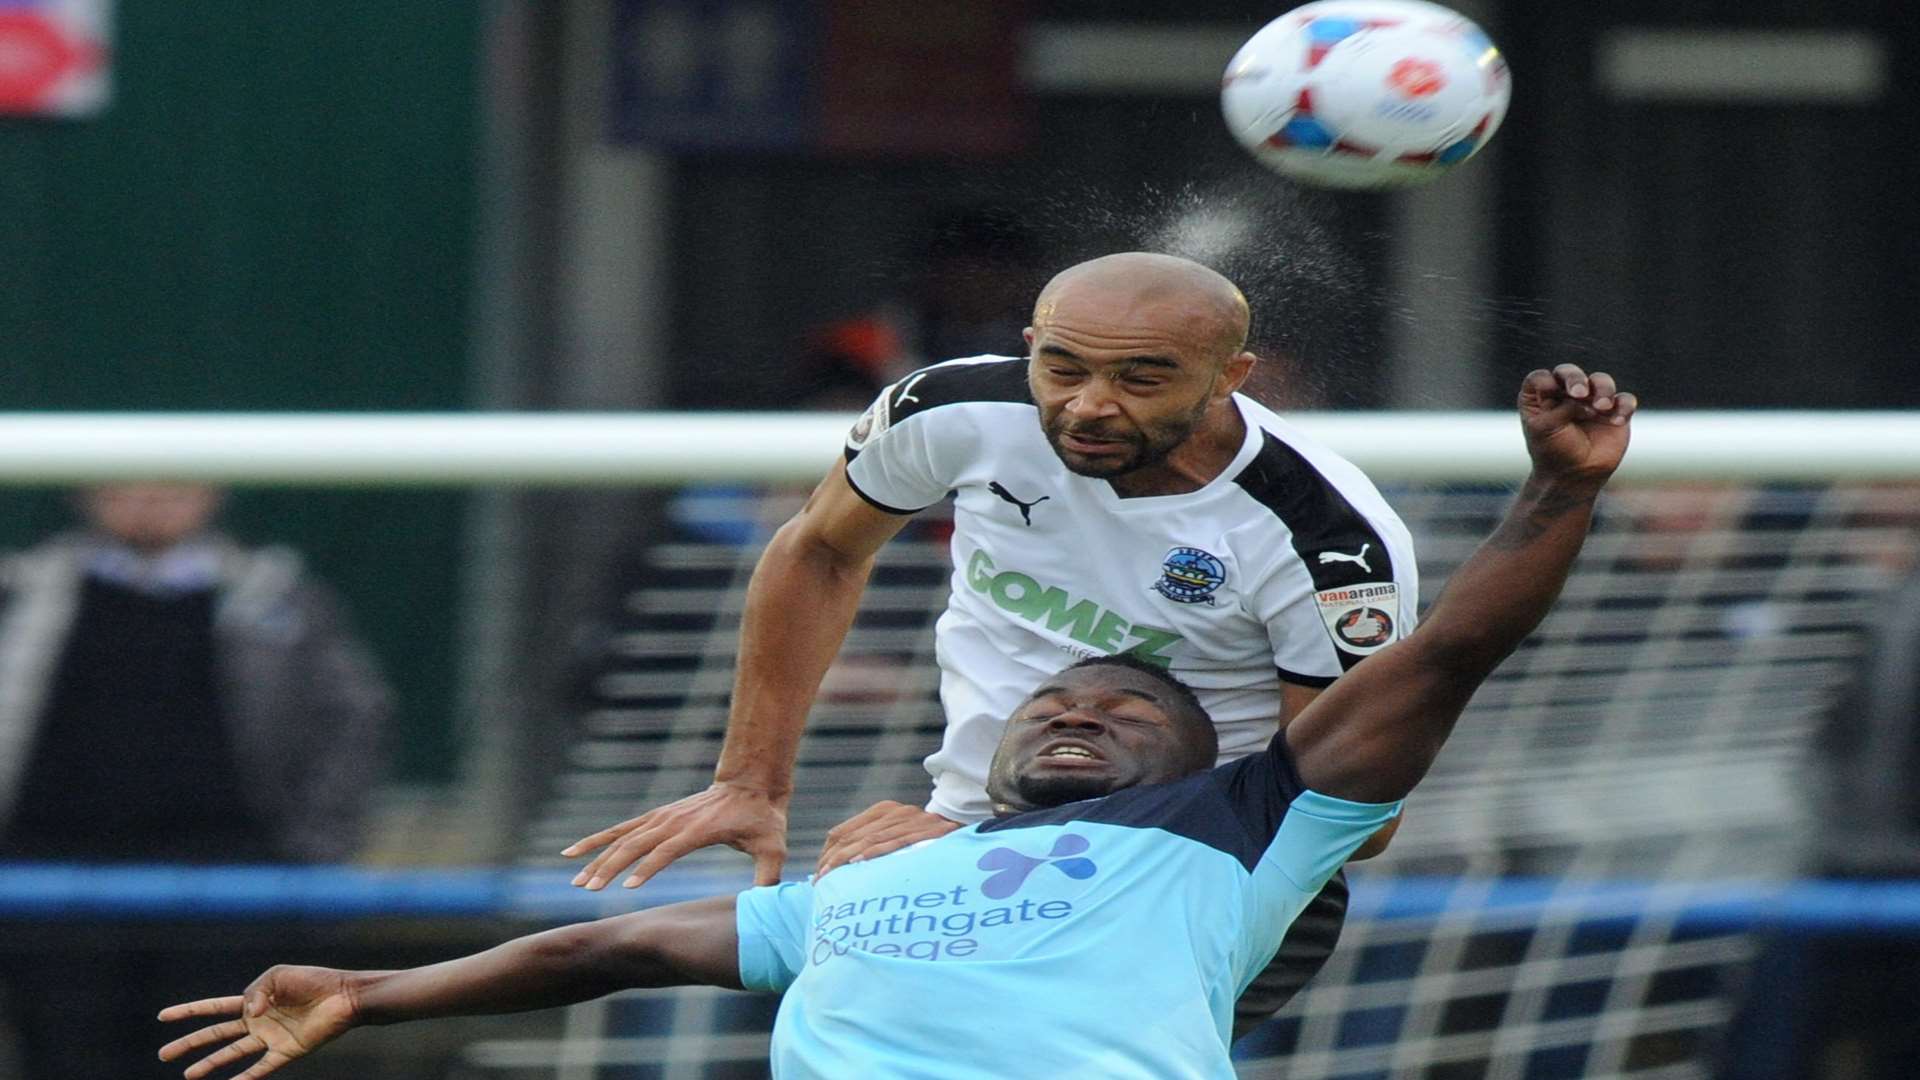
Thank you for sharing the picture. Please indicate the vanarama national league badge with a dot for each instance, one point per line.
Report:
(1190, 576)
(1360, 617)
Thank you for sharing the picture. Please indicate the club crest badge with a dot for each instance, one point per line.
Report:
(1190, 576)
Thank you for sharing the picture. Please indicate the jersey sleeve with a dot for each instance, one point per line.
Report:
(1336, 602)
(891, 456)
(1340, 583)
(772, 923)
(1307, 835)
(1319, 833)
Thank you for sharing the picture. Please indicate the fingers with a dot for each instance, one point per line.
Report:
(621, 853)
(627, 851)
(1624, 406)
(1572, 379)
(769, 854)
(876, 846)
(233, 1052)
(206, 1036)
(603, 837)
(1568, 394)
(881, 829)
(850, 832)
(879, 811)
(187, 1010)
(749, 819)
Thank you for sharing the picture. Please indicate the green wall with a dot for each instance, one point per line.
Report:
(275, 212)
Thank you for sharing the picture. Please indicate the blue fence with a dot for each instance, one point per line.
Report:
(37, 891)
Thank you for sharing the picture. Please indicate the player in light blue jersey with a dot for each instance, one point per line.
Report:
(1103, 922)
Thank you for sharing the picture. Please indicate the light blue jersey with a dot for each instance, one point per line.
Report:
(1107, 938)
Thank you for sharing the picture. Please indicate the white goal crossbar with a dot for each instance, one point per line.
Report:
(585, 449)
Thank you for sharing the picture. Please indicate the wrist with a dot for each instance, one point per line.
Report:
(754, 784)
(1564, 484)
(362, 991)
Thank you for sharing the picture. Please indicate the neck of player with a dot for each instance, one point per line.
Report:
(1194, 464)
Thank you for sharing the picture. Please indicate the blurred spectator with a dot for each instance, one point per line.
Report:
(167, 695)
(844, 364)
(1838, 1003)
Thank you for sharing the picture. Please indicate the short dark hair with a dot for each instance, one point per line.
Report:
(1191, 715)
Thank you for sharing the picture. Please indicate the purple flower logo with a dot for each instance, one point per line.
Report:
(1013, 868)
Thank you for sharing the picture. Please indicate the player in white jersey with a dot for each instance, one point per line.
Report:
(1114, 493)
(1284, 568)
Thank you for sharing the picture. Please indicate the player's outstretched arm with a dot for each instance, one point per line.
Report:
(800, 604)
(289, 1012)
(1373, 734)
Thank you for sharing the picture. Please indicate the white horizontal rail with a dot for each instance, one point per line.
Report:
(664, 448)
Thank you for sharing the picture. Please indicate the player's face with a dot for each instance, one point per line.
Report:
(1120, 383)
(1089, 732)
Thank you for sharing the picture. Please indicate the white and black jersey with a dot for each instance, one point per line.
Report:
(1288, 566)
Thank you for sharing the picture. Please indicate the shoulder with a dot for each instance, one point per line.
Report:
(1295, 472)
(1322, 499)
(946, 405)
(969, 380)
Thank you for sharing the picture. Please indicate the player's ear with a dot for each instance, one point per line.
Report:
(1027, 336)
(1233, 374)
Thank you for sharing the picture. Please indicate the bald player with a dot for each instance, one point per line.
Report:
(1114, 493)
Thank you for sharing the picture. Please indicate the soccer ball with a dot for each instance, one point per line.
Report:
(1366, 93)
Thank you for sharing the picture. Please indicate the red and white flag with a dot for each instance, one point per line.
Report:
(54, 57)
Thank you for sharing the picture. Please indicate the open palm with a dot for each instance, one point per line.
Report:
(285, 1014)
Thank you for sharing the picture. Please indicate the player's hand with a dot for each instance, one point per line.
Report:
(877, 830)
(1576, 424)
(743, 818)
(285, 1014)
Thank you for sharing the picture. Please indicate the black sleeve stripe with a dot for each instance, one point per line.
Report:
(1321, 520)
(1317, 682)
(873, 502)
(955, 384)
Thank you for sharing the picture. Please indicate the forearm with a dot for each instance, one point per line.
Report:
(1372, 736)
(800, 605)
(685, 944)
(1509, 584)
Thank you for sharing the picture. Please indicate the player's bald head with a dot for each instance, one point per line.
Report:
(1207, 305)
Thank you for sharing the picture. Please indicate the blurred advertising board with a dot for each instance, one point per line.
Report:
(858, 77)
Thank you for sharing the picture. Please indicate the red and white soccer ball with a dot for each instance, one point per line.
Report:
(1366, 93)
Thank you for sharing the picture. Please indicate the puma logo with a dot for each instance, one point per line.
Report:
(1026, 508)
(906, 390)
(1358, 558)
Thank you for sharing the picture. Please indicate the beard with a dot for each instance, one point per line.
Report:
(1145, 446)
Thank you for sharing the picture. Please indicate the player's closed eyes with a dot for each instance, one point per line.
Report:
(1101, 715)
